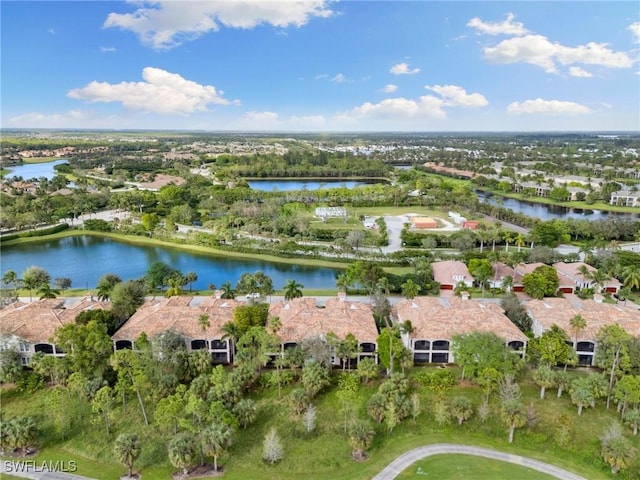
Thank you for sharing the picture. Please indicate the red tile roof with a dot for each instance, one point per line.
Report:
(301, 318)
(178, 315)
(441, 318)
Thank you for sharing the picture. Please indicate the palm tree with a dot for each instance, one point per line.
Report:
(46, 291)
(127, 450)
(513, 416)
(508, 238)
(343, 282)
(190, 278)
(600, 277)
(631, 276)
(520, 242)
(203, 322)
(227, 291)
(11, 278)
(410, 289)
(216, 438)
(230, 331)
(361, 435)
(578, 324)
(182, 451)
(292, 289)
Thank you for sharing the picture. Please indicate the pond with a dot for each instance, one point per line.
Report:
(85, 259)
(34, 170)
(544, 211)
(289, 185)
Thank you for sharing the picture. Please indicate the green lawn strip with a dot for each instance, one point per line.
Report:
(40, 159)
(468, 467)
(377, 211)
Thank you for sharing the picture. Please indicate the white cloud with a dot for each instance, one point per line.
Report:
(403, 69)
(53, 120)
(538, 50)
(634, 28)
(455, 96)
(507, 27)
(427, 106)
(339, 78)
(108, 49)
(164, 24)
(51, 31)
(162, 92)
(546, 107)
(272, 121)
(579, 72)
(389, 88)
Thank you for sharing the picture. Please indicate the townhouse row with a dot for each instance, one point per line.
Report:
(29, 328)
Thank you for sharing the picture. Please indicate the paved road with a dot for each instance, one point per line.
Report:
(406, 459)
(36, 470)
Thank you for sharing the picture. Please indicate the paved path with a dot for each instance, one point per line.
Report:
(36, 470)
(406, 459)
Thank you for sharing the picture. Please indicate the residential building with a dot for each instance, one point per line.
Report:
(625, 198)
(436, 321)
(500, 272)
(301, 319)
(572, 278)
(29, 328)
(559, 311)
(181, 315)
(451, 272)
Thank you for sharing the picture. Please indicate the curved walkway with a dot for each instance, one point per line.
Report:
(407, 459)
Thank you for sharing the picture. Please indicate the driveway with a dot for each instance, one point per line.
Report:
(407, 459)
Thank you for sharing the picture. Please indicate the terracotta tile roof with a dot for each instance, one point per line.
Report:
(559, 311)
(572, 270)
(524, 268)
(443, 272)
(502, 270)
(301, 319)
(36, 322)
(178, 315)
(439, 318)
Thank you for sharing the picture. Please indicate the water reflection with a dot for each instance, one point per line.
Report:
(85, 259)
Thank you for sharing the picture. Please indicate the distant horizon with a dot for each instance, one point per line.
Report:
(321, 66)
(323, 132)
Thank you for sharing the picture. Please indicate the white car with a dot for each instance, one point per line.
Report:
(252, 295)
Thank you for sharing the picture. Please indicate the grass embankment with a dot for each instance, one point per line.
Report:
(323, 454)
(466, 467)
(40, 159)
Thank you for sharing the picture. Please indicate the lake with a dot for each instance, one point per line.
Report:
(85, 259)
(34, 170)
(544, 211)
(289, 185)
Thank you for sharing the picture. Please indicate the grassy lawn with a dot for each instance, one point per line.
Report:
(325, 453)
(40, 159)
(377, 211)
(467, 467)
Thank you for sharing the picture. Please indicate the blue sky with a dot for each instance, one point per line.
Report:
(321, 66)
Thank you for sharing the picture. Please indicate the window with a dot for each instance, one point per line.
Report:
(24, 360)
(24, 347)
